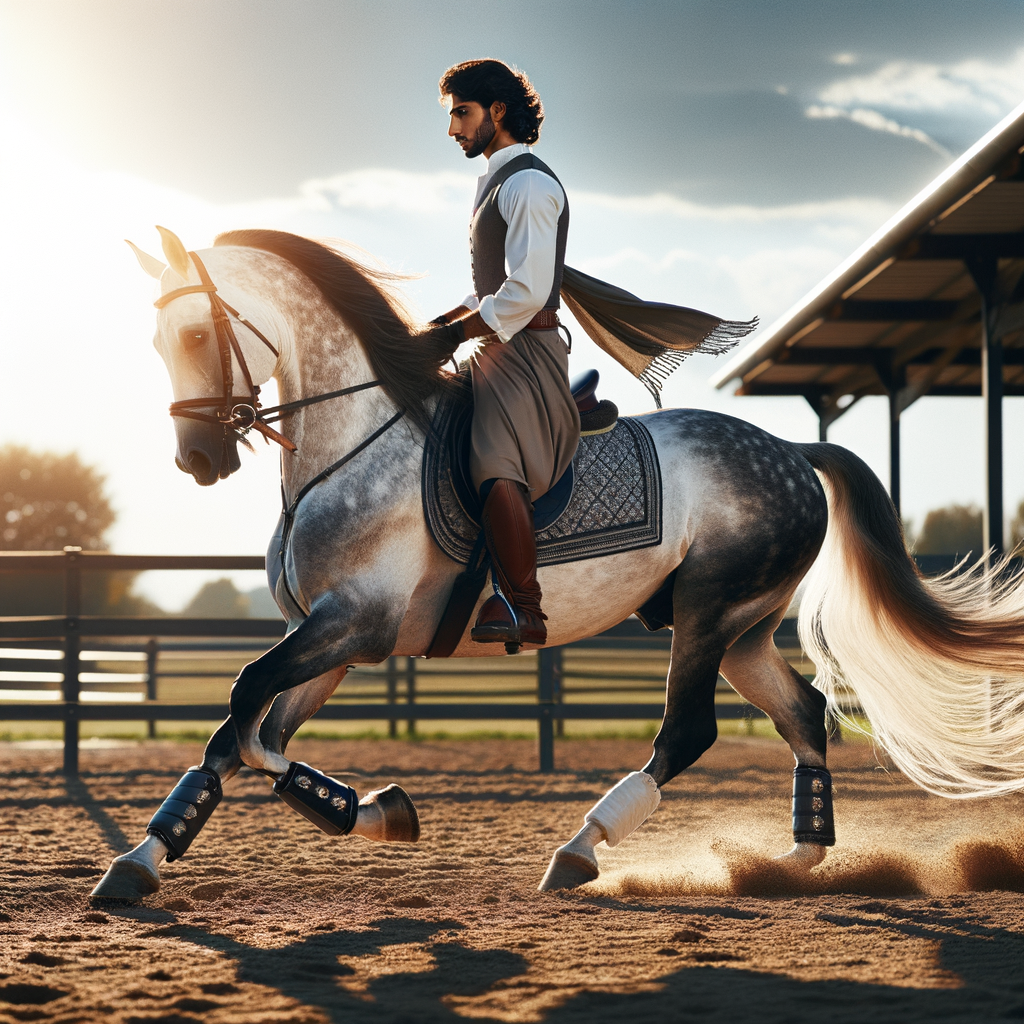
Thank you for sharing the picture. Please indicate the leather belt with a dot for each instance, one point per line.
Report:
(545, 320)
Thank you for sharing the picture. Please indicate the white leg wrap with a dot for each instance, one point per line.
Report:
(625, 807)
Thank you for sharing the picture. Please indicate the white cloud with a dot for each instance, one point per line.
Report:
(877, 122)
(972, 87)
(977, 89)
(384, 188)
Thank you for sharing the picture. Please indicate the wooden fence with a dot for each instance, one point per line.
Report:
(550, 687)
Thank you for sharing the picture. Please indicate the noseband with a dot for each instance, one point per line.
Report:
(238, 414)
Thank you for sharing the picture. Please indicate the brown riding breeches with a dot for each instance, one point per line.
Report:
(525, 424)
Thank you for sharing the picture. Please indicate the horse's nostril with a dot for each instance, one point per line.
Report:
(181, 465)
(199, 464)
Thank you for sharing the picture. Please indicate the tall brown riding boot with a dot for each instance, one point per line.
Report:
(512, 616)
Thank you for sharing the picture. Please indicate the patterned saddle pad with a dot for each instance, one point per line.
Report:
(615, 504)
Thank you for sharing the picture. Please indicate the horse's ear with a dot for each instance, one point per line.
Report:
(150, 264)
(175, 251)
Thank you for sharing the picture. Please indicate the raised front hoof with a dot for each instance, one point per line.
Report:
(568, 870)
(401, 822)
(127, 879)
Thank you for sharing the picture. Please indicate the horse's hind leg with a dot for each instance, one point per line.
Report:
(177, 822)
(688, 729)
(759, 673)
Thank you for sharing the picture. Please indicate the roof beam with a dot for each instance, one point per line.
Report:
(881, 310)
(958, 247)
(807, 356)
(803, 391)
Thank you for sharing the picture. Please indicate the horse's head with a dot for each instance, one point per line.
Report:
(215, 373)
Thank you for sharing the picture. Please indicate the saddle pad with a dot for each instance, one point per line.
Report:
(615, 504)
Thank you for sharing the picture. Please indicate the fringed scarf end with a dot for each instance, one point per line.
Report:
(723, 338)
(727, 335)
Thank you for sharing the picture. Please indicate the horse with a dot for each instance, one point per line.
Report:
(937, 665)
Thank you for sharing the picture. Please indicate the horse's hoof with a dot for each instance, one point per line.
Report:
(401, 822)
(568, 870)
(127, 879)
(803, 856)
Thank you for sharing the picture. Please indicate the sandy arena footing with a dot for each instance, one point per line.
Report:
(916, 915)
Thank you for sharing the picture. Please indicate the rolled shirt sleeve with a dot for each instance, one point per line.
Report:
(530, 203)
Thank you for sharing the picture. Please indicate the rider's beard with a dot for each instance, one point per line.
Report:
(483, 136)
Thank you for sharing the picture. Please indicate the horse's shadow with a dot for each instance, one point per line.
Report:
(986, 959)
(308, 970)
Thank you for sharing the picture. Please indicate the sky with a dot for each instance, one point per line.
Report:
(720, 155)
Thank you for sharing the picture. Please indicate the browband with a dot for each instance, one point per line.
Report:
(178, 292)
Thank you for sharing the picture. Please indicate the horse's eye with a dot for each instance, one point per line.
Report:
(193, 339)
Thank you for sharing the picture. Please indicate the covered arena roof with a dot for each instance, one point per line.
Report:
(906, 300)
(932, 303)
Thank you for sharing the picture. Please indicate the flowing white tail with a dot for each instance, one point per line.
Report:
(936, 664)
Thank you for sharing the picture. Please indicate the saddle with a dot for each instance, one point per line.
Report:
(607, 501)
(596, 417)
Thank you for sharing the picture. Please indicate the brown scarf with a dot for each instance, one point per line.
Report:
(650, 339)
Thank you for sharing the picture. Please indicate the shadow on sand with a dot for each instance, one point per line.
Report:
(987, 960)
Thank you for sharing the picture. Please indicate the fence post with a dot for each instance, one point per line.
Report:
(72, 652)
(392, 678)
(410, 689)
(559, 693)
(152, 653)
(547, 671)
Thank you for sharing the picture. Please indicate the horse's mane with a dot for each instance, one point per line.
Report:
(407, 364)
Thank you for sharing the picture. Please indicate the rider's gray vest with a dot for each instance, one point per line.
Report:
(487, 232)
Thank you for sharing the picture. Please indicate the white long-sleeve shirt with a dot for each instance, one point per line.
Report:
(530, 202)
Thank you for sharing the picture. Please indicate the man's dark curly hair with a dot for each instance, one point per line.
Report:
(490, 81)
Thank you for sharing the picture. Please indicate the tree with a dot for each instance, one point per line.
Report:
(953, 530)
(47, 502)
(218, 599)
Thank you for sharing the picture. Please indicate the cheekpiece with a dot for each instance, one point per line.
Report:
(329, 804)
(813, 819)
(186, 810)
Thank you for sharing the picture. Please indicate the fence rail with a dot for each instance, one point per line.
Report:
(400, 690)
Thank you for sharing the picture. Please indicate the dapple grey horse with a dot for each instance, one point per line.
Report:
(937, 666)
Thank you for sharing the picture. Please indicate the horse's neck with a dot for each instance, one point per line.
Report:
(324, 355)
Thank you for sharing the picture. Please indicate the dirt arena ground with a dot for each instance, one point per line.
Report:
(917, 914)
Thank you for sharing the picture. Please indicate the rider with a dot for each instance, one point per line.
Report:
(525, 424)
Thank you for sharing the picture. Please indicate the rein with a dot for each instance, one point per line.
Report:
(238, 414)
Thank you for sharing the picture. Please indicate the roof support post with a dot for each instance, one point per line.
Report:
(894, 449)
(826, 409)
(894, 379)
(983, 270)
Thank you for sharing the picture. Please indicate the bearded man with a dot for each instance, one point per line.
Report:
(525, 424)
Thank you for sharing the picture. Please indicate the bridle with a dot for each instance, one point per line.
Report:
(238, 414)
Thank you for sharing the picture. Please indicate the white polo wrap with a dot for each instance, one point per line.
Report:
(625, 807)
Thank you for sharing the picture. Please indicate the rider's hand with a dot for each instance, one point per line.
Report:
(448, 336)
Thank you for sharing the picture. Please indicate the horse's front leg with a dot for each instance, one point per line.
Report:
(337, 631)
(688, 729)
(176, 823)
(385, 815)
